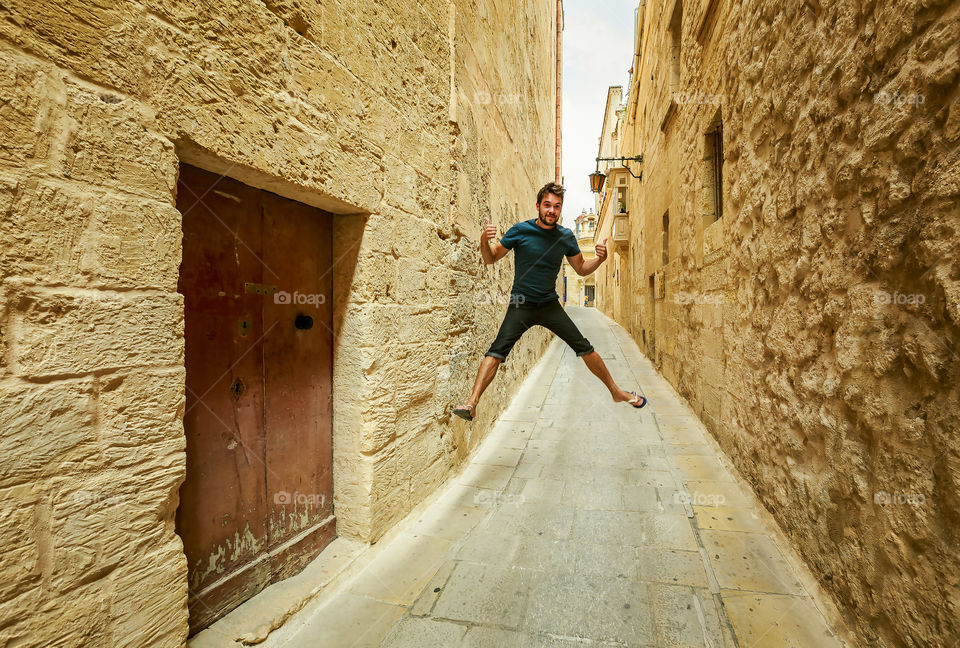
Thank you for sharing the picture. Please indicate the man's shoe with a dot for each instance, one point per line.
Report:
(637, 401)
(465, 411)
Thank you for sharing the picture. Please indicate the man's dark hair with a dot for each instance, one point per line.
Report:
(550, 187)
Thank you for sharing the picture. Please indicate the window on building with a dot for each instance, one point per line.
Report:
(666, 238)
(713, 171)
(707, 19)
(675, 32)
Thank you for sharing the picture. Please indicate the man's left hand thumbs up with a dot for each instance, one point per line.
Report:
(601, 250)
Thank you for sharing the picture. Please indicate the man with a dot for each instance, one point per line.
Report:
(540, 246)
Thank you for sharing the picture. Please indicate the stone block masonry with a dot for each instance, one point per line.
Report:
(411, 122)
(816, 330)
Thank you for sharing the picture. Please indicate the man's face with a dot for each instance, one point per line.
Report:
(548, 209)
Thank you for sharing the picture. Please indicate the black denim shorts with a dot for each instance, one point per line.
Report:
(521, 315)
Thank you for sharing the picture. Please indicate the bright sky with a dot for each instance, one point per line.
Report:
(597, 52)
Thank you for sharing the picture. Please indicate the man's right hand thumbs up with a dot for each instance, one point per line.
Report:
(489, 231)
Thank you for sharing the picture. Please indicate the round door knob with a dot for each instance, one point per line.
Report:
(303, 322)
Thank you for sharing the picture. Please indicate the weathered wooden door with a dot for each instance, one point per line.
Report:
(257, 502)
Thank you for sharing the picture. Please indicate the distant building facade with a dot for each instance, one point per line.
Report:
(582, 288)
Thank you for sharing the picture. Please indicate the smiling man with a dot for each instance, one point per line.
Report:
(539, 245)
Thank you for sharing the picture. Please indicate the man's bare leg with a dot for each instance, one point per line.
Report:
(595, 363)
(488, 369)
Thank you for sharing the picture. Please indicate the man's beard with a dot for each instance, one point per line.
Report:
(542, 218)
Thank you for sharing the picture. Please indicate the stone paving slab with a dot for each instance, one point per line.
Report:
(588, 606)
(774, 621)
(349, 620)
(579, 522)
(398, 576)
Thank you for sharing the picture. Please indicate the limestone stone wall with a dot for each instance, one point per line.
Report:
(499, 152)
(815, 327)
(410, 121)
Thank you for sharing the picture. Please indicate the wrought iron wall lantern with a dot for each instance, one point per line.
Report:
(597, 178)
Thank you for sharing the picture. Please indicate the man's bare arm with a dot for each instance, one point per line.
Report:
(583, 267)
(491, 255)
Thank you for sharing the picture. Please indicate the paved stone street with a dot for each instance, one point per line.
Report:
(578, 522)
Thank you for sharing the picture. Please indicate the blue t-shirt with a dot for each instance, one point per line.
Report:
(539, 253)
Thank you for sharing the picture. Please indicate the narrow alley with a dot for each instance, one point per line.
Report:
(576, 522)
(303, 304)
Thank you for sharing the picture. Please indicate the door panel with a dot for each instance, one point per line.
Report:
(298, 376)
(224, 395)
(258, 399)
